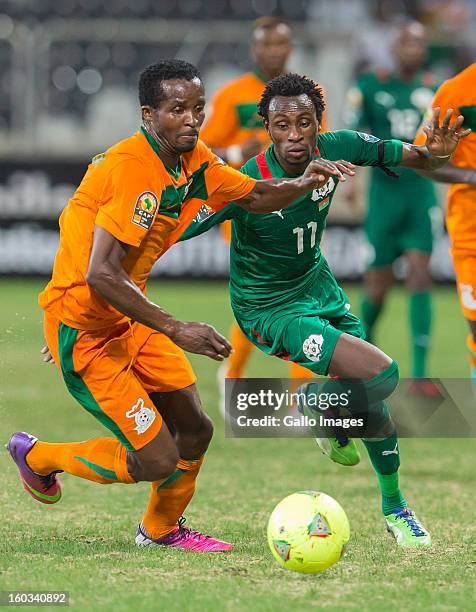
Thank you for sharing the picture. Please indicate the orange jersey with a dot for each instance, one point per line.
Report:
(233, 117)
(130, 193)
(459, 93)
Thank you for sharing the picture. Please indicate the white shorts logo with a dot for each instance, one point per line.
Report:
(467, 298)
(312, 347)
(144, 417)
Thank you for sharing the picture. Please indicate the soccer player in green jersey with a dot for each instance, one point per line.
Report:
(400, 212)
(284, 296)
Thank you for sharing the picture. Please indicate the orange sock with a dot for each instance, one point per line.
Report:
(102, 460)
(242, 348)
(169, 498)
(471, 344)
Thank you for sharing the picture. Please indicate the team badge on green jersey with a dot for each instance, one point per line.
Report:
(367, 137)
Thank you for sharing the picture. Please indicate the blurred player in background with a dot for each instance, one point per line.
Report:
(459, 93)
(235, 132)
(399, 214)
(233, 128)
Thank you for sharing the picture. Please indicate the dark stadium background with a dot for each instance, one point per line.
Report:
(68, 91)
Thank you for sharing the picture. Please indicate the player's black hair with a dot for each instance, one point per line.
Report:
(151, 78)
(288, 85)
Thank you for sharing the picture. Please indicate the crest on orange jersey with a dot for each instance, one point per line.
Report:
(145, 209)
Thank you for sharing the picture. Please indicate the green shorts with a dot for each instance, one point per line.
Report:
(398, 221)
(305, 330)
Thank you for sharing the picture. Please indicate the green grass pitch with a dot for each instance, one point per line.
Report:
(85, 544)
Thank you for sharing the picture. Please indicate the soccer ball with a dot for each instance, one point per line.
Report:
(307, 532)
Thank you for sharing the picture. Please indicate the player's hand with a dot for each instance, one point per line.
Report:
(250, 148)
(202, 339)
(442, 140)
(47, 356)
(320, 170)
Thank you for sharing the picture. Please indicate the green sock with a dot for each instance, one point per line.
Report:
(420, 324)
(385, 458)
(370, 312)
(392, 498)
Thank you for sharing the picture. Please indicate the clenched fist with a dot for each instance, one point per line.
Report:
(202, 339)
(320, 170)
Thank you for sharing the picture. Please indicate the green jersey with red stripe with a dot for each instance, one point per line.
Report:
(276, 257)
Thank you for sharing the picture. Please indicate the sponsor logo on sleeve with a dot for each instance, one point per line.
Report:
(203, 213)
(367, 137)
(145, 209)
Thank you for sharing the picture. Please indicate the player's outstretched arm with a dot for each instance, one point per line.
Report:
(451, 174)
(275, 194)
(441, 141)
(108, 278)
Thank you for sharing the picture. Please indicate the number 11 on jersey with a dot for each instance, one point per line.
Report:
(299, 231)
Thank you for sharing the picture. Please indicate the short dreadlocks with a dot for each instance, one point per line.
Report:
(288, 85)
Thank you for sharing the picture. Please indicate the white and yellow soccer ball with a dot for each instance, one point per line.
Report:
(307, 532)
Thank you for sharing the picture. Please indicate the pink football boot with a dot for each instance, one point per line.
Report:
(183, 538)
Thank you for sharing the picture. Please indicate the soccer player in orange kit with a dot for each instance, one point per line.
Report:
(235, 132)
(459, 93)
(121, 355)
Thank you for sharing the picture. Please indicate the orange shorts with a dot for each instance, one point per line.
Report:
(465, 268)
(112, 371)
